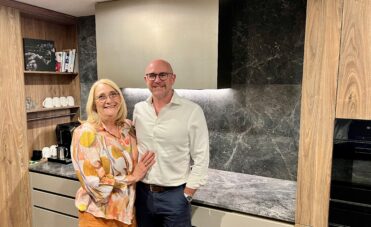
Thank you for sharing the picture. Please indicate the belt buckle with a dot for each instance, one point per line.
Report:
(155, 188)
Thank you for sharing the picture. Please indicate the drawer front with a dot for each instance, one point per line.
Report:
(54, 202)
(45, 218)
(206, 217)
(54, 184)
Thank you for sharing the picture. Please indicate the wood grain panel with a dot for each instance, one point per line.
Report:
(64, 36)
(42, 133)
(354, 89)
(15, 206)
(321, 60)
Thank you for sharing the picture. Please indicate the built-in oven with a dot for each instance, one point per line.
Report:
(350, 195)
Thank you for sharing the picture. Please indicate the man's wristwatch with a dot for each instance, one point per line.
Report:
(188, 197)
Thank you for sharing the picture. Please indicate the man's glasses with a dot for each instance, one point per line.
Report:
(111, 95)
(163, 76)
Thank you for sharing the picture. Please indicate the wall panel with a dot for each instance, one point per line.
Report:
(354, 82)
(321, 61)
(15, 208)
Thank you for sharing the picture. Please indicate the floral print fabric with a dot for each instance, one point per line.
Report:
(102, 162)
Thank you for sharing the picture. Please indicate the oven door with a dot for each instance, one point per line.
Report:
(343, 213)
(350, 195)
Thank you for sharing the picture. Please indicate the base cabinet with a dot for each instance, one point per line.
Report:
(42, 217)
(206, 217)
(53, 204)
(53, 201)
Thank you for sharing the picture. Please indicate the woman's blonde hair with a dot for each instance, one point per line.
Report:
(91, 108)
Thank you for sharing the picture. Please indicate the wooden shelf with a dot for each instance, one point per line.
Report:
(52, 109)
(51, 117)
(49, 73)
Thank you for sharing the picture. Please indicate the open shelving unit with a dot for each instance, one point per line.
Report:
(41, 122)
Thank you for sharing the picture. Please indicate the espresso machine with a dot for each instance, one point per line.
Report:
(64, 134)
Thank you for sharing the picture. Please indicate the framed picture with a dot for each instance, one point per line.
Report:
(39, 55)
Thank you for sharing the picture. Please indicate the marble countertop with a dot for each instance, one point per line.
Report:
(243, 193)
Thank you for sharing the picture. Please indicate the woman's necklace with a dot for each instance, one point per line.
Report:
(113, 131)
(117, 134)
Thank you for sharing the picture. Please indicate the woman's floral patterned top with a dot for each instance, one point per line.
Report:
(102, 161)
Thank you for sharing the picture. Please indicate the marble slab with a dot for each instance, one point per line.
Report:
(54, 169)
(250, 194)
(243, 193)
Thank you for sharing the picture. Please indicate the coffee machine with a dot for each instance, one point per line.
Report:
(64, 137)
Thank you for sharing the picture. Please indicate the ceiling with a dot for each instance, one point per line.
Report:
(77, 8)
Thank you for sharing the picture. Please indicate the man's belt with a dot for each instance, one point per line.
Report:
(158, 188)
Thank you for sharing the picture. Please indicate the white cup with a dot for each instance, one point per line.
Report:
(56, 102)
(46, 152)
(48, 102)
(63, 101)
(53, 150)
(70, 101)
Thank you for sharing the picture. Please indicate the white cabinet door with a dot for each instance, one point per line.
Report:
(207, 217)
(53, 201)
(54, 184)
(46, 218)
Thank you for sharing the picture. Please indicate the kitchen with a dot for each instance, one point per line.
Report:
(254, 102)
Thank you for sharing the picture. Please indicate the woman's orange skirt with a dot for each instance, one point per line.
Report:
(88, 220)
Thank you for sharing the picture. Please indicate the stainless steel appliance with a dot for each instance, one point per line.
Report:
(350, 195)
(64, 134)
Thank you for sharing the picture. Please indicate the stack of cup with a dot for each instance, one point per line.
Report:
(62, 101)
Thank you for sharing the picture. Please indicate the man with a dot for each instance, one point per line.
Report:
(175, 129)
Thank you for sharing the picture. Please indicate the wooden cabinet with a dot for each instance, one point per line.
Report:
(41, 121)
(336, 84)
(53, 201)
(317, 117)
(206, 217)
(354, 79)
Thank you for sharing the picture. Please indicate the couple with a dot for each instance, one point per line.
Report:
(161, 176)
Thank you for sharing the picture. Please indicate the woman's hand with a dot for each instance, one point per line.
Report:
(140, 170)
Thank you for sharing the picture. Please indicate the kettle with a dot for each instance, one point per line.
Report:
(63, 153)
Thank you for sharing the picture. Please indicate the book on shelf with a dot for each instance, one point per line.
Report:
(71, 60)
(38, 55)
(58, 61)
(65, 60)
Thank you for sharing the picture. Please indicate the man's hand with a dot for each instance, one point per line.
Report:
(189, 191)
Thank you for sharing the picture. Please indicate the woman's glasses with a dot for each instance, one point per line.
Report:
(111, 95)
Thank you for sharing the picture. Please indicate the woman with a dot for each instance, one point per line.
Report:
(104, 156)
